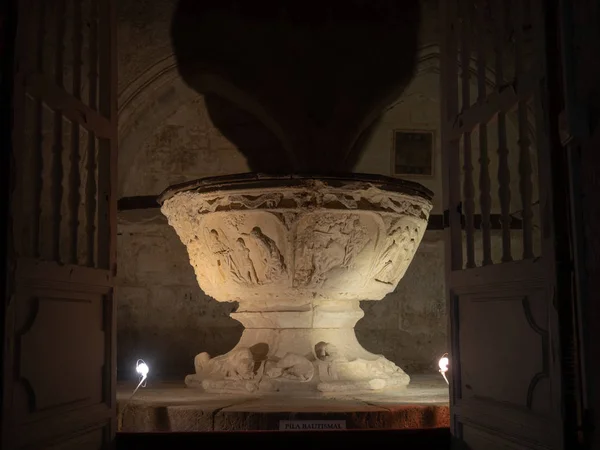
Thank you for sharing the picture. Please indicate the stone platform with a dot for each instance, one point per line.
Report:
(173, 407)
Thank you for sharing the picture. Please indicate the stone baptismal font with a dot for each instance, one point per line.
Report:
(298, 253)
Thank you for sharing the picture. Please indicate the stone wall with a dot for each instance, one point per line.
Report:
(163, 316)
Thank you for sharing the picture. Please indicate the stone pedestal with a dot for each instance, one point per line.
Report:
(298, 254)
(170, 407)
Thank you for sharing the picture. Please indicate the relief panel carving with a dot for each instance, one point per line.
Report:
(238, 250)
(330, 248)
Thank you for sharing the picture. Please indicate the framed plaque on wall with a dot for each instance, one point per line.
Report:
(412, 153)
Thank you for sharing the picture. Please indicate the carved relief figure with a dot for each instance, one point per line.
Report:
(331, 256)
(389, 260)
(329, 243)
(224, 257)
(271, 256)
(357, 240)
(396, 255)
(246, 267)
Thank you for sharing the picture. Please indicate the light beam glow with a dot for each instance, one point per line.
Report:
(443, 364)
(142, 369)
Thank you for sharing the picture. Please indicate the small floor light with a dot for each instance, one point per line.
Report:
(142, 369)
(443, 365)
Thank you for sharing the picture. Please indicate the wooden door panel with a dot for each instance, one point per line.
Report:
(60, 369)
(504, 328)
(503, 380)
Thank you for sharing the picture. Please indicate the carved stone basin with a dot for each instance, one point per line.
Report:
(298, 253)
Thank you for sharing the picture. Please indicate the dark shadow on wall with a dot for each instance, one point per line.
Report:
(316, 73)
(253, 139)
(163, 316)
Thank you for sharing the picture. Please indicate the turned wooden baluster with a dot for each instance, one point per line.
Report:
(525, 170)
(56, 178)
(501, 37)
(37, 163)
(104, 145)
(74, 175)
(91, 150)
(468, 186)
(485, 198)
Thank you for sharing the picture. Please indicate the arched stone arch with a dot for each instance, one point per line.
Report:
(157, 93)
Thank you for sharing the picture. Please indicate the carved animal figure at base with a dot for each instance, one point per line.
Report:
(291, 367)
(328, 352)
(238, 364)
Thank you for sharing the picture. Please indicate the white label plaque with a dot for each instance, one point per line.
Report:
(299, 425)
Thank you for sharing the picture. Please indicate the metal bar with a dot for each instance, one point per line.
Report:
(485, 198)
(468, 186)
